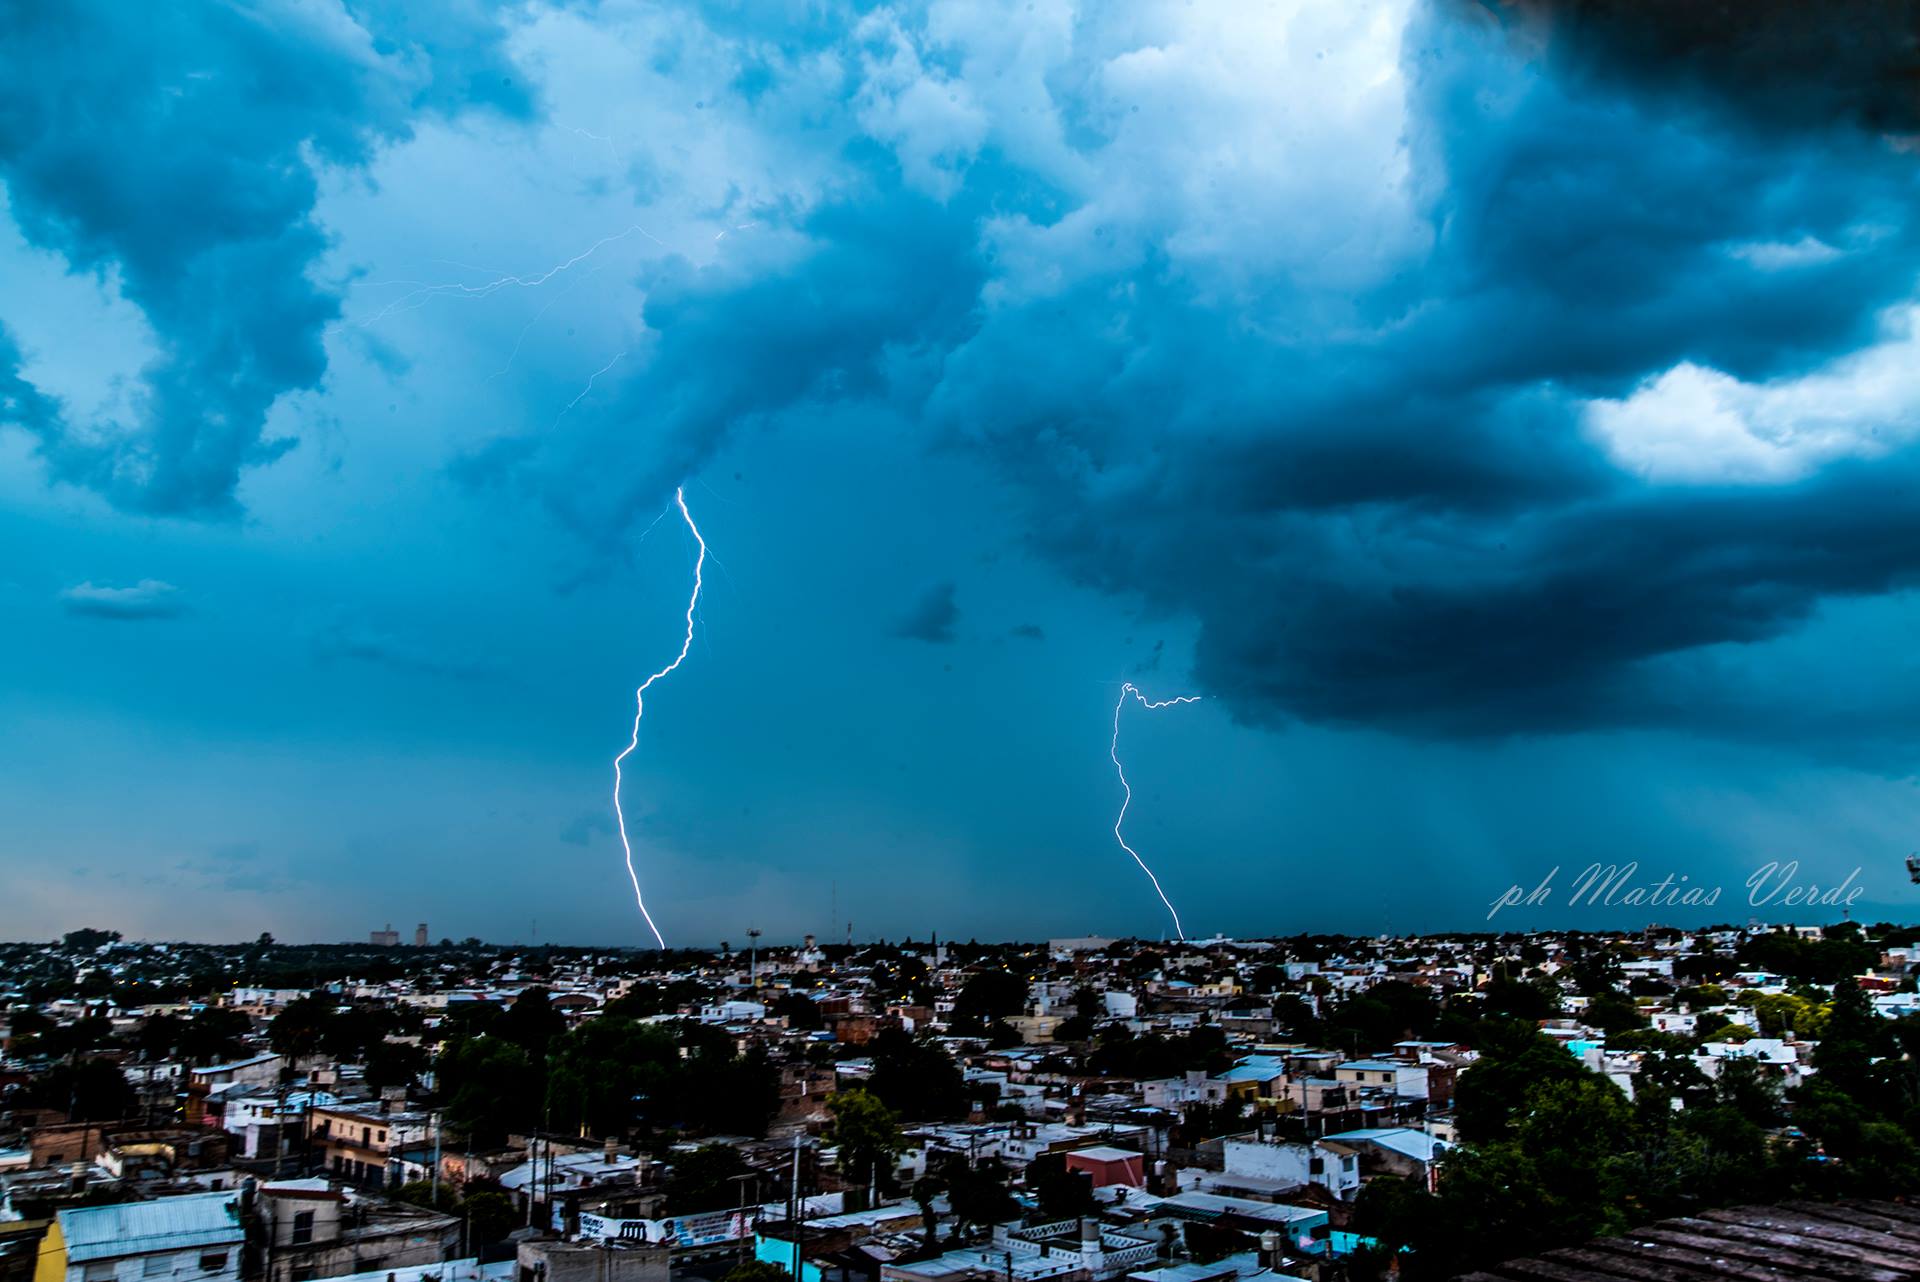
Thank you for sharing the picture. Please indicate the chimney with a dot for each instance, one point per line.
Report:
(610, 1151)
(77, 1176)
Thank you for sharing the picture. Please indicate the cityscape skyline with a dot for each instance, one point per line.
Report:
(959, 641)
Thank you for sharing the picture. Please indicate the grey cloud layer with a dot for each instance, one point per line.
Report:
(1307, 365)
(176, 148)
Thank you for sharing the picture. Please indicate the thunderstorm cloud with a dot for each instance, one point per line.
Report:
(1432, 374)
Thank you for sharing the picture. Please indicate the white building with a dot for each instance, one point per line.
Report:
(1174, 1092)
(734, 1012)
(1334, 1167)
(1408, 1081)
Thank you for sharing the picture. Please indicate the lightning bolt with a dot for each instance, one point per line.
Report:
(640, 706)
(424, 292)
(1114, 751)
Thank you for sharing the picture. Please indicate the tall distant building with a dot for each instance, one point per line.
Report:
(420, 935)
(388, 938)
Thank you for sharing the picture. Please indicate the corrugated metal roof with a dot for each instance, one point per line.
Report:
(1400, 1139)
(1812, 1241)
(140, 1228)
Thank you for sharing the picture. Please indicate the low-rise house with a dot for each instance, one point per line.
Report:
(1394, 1150)
(137, 1154)
(358, 1142)
(1333, 1166)
(197, 1238)
(265, 1124)
(202, 1082)
(1105, 1165)
(315, 1231)
(1175, 1092)
(612, 1261)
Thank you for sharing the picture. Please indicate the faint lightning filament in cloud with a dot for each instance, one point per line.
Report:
(1126, 800)
(640, 706)
(427, 290)
(589, 387)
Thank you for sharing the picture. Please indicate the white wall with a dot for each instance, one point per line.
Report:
(161, 1266)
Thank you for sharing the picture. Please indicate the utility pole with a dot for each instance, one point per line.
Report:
(799, 1210)
(533, 1173)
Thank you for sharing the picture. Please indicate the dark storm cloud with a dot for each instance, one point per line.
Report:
(22, 404)
(1781, 63)
(882, 274)
(1558, 627)
(1375, 491)
(1398, 519)
(932, 617)
(174, 147)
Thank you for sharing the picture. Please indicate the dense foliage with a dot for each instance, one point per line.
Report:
(1555, 1153)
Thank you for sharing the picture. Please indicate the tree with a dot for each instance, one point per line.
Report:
(422, 1193)
(393, 1064)
(1390, 1011)
(87, 938)
(212, 1035)
(296, 1032)
(978, 1194)
(78, 1037)
(1204, 1121)
(1063, 1194)
(1393, 1212)
(925, 1190)
(1515, 1059)
(1612, 1012)
(90, 1090)
(917, 1079)
(989, 995)
(156, 1037)
(490, 1217)
(531, 1022)
(1520, 999)
(799, 1011)
(756, 1271)
(741, 1095)
(868, 1134)
(490, 1088)
(1295, 1014)
(704, 1180)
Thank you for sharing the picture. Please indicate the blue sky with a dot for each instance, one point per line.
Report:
(1505, 422)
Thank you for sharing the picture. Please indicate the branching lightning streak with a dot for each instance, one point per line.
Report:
(1114, 751)
(589, 387)
(640, 706)
(427, 290)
